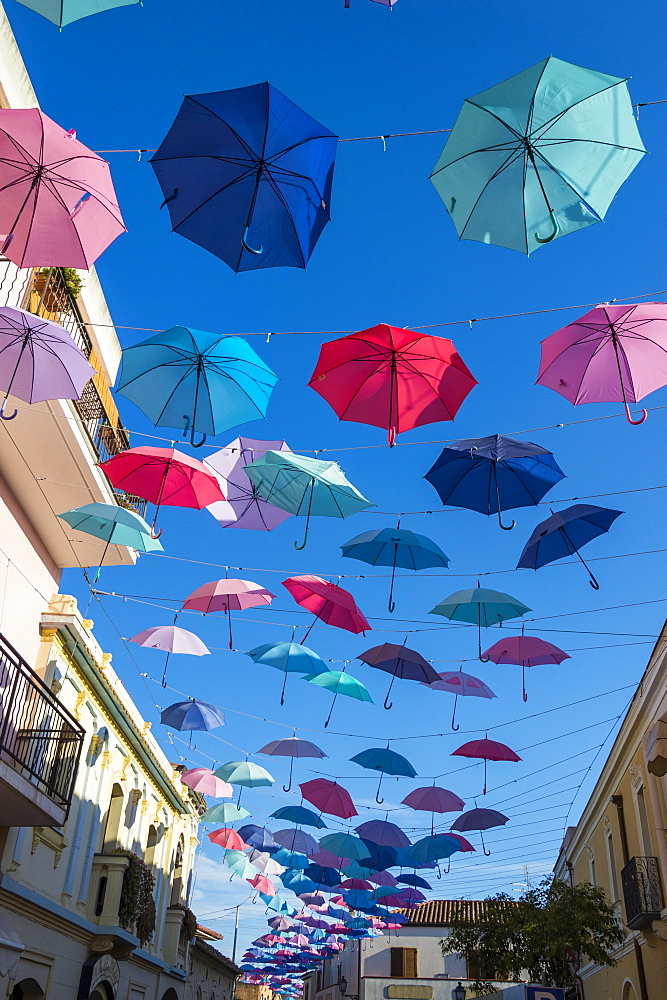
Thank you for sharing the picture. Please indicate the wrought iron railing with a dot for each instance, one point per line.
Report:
(38, 736)
(642, 892)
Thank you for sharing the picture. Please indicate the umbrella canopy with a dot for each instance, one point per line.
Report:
(227, 595)
(298, 882)
(344, 845)
(492, 474)
(305, 487)
(262, 884)
(197, 381)
(224, 812)
(244, 773)
(194, 715)
(202, 780)
(383, 834)
(114, 525)
(526, 650)
(264, 862)
(295, 840)
(322, 876)
(292, 859)
(414, 880)
(65, 11)
(340, 683)
(172, 639)
(611, 354)
(564, 533)
(429, 849)
(330, 604)
(393, 378)
(386, 761)
(58, 206)
(433, 799)
(456, 682)
(38, 360)
(293, 747)
(227, 838)
(538, 156)
(329, 797)
(290, 657)
(481, 607)
(399, 661)
(486, 750)
(242, 506)
(395, 547)
(479, 819)
(258, 837)
(247, 175)
(299, 815)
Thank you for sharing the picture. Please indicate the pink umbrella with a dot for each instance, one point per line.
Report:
(171, 639)
(226, 837)
(526, 650)
(614, 353)
(281, 923)
(299, 939)
(202, 780)
(486, 750)
(243, 507)
(227, 595)
(460, 684)
(465, 844)
(331, 604)
(329, 797)
(58, 207)
(262, 884)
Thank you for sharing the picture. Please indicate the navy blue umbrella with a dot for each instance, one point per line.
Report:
(564, 533)
(379, 857)
(322, 875)
(414, 880)
(247, 174)
(492, 474)
(258, 837)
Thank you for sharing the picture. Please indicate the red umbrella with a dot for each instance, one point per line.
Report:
(392, 378)
(486, 750)
(329, 797)
(227, 596)
(227, 838)
(329, 603)
(163, 476)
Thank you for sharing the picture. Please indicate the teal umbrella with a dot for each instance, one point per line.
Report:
(224, 812)
(538, 156)
(238, 863)
(340, 683)
(244, 773)
(290, 657)
(344, 845)
(480, 607)
(62, 12)
(305, 487)
(114, 525)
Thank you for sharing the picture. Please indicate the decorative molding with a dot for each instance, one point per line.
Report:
(50, 838)
(88, 624)
(606, 822)
(590, 852)
(194, 841)
(637, 777)
(106, 758)
(78, 705)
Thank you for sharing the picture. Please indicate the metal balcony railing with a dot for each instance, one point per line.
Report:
(38, 736)
(642, 892)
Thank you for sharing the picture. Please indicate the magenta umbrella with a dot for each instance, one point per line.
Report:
(171, 639)
(243, 507)
(58, 207)
(614, 353)
(460, 684)
(526, 651)
(227, 595)
(485, 750)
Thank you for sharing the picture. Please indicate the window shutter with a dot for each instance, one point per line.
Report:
(396, 959)
(410, 963)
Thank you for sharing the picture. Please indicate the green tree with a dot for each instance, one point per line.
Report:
(541, 934)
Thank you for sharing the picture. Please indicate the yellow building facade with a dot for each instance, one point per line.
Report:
(620, 844)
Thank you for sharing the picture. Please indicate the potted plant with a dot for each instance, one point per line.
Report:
(56, 286)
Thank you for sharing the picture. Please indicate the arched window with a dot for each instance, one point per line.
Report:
(27, 989)
(112, 820)
(151, 843)
(177, 879)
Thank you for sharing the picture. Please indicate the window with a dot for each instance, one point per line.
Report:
(112, 822)
(479, 970)
(611, 860)
(403, 963)
(149, 855)
(591, 867)
(177, 882)
(644, 835)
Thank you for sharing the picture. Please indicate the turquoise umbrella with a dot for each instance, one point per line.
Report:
(480, 607)
(290, 657)
(238, 863)
(340, 683)
(538, 156)
(114, 525)
(385, 761)
(224, 812)
(244, 773)
(299, 815)
(305, 487)
(62, 12)
(344, 845)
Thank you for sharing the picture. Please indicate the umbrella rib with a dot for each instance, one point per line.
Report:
(276, 188)
(500, 147)
(237, 136)
(531, 110)
(215, 194)
(493, 177)
(551, 121)
(567, 183)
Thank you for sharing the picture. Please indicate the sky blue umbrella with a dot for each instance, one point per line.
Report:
(196, 381)
(395, 547)
(114, 525)
(247, 175)
(538, 156)
(290, 657)
(62, 12)
(564, 533)
(481, 607)
(291, 859)
(387, 762)
(238, 863)
(299, 815)
(244, 773)
(298, 882)
(432, 848)
(305, 487)
(224, 812)
(493, 474)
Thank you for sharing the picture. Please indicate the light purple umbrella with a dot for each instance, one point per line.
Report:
(295, 840)
(292, 747)
(526, 651)
(171, 639)
(382, 833)
(383, 878)
(243, 507)
(38, 360)
(460, 684)
(312, 898)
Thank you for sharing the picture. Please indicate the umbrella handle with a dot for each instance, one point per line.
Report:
(506, 527)
(388, 706)
(554, 234)
(247, 247)
(6, 416)
(287, 787)
(282, 702)
(455, 727)
(481, 837)
(377, 794)
(154, 533)
(170, 198)
(391, 437)
(196, 444)
(303, 543)
(523, 682)
(628, 417)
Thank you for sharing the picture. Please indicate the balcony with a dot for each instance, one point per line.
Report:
(104, 904)
(642, 892)
(40, 747)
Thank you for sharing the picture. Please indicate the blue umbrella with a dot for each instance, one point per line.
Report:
(379, 857)
(385, 890)
(247, 175)
(298, 882)
(291, 859)
(323, 876)
(290, 657)
(492, 474)
(258, 837)
(395, 547)
(356, 899)
(344, 845)
(114, 525)
(195, 380)
(430, 849)
(194, 715)
(299, 815)
(481, 607)
(564, 533)
(386, 761)
(224, 812)
(415, 880)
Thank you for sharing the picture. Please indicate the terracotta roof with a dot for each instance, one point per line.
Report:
(206, 933)
(439, 912)
(212, 952)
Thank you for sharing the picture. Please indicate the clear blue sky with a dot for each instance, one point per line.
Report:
(390, 254)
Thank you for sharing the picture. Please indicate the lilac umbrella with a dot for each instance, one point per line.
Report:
(38, 360)
(295, 840)
(382, 833)
(458, 683)
(243, 508)
(292, 747)
(527, 650)
(171, 639)
(479, 819)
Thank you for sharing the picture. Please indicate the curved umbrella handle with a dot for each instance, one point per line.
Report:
(628, 416)
(481, 837)
(196, 444)
(287, 787)
(282, 702)
(170, 198)
(6, 416)
(593, 582)
(377, 794)
(505, 527)
(388, 704)
(551, 236)
(246, 245)
(455, 727)
(303, 543)
(155, 534)
(523, 682)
